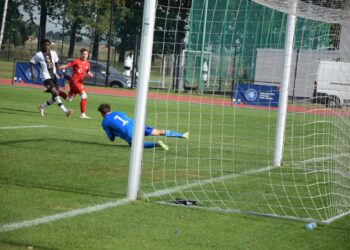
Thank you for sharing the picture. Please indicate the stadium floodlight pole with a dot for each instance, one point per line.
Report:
(149, 12)
(3, 22)
(283, 101)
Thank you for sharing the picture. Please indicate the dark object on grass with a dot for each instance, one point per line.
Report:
(189, 203)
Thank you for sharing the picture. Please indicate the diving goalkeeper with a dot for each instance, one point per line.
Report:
(117, 124)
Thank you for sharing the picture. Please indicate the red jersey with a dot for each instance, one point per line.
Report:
(80, 68)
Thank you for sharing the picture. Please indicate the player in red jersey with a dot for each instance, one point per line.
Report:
(80, 67)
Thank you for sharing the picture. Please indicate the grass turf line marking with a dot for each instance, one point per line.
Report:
(112, 204)
(77, 212)
(69, 214)
(24, 127)
(204, 182)
(45, 126)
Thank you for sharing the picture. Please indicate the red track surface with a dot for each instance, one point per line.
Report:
(217, 101)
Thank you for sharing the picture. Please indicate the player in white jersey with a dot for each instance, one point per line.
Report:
(48, 62)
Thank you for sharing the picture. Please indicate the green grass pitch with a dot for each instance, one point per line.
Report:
(65, 164)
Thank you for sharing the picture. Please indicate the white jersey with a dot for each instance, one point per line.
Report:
(46, 64)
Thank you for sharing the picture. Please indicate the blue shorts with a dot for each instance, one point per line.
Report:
(148, 130)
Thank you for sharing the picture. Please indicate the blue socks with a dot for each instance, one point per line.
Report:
(149, 144)
(169, 133)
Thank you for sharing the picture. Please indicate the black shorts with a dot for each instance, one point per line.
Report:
(51, 83)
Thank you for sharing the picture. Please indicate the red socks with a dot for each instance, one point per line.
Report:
(83, 105)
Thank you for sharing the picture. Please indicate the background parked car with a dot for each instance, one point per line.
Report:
(99, 69)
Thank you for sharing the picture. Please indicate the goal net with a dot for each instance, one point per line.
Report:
(227, 164)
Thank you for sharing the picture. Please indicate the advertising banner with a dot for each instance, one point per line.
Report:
(24, 75)
(258, 95)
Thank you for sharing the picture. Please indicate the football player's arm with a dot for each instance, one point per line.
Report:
(70, 64)
(32, 63)
(63, 66)
(58, 67)
(89, 73)
(32, 71)
(109, 133)
(55, 60)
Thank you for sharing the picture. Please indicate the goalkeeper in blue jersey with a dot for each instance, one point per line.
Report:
(117, 124)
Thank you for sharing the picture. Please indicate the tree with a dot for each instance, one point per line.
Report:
(128, 23)
(52, 8)
(171, 25)
(76, 16)
(16, 31)
(98, 23)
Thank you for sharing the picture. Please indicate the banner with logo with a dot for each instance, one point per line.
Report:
(23, 74)
(252, 94)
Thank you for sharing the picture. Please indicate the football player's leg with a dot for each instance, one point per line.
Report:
(57, 99)
(155, 144)
(168, 133)
(43, 106)
(70, 95)
(83, 105)
(149, 144)
(62, 94)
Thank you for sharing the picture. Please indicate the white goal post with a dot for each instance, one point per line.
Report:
(141, 100)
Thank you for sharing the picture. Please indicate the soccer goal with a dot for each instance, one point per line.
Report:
(195, 68)
(290, 161)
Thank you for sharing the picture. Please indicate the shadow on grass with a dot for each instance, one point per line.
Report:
(20, 183)
(25, 184)
(23, 245)
(95, 143)
(10, 143)
(16, 111)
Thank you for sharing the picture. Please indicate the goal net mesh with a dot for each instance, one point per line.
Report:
(210, 60)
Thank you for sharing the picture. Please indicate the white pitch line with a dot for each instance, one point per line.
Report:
(205, 181)
(112, 204)
(45, 126)
(54, 217)
(79, 129)
(29, 126)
